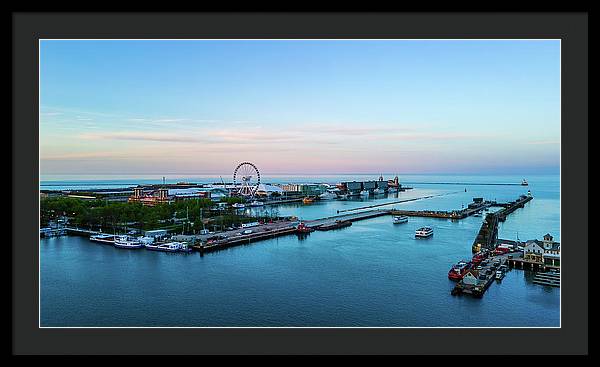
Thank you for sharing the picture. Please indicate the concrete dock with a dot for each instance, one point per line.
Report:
(488, 233)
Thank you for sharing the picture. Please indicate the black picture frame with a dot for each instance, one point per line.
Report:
(570, 338)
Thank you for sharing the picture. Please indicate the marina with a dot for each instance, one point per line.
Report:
(289, 231)
(313, 183)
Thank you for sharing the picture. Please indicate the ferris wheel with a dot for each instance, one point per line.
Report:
(246, 175)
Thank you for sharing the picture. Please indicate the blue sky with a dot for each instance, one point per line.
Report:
(200, 107)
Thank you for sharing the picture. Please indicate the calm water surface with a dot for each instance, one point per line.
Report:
(373, 273)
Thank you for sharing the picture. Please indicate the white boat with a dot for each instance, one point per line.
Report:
(392, 189)
(146, 240)
(364, 193)
(128, 242)
(238, 205)
(524, 183)
(328, 195)
(377, 191)
(400, 219)
(103, 238)
(167, 247)
(499, 274)
(477, 214)
(257, 203)
(424, 232)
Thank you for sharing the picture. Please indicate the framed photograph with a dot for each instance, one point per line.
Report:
(300, 183)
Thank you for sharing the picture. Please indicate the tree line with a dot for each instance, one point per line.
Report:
(190, 215)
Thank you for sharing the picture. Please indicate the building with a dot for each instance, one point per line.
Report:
(267, 190)
(369, 185)
(545, 252)
(291, 187)
(156, 233)
(353, 187)
(381, 184)
(152, 196)
(394, 183)
(302, 189)
(470, 278)
(533, 251)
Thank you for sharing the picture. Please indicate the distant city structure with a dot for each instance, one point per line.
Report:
(167, 193)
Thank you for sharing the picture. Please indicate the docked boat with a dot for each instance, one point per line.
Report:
(400, 219)
(167, 247)
(257, 203)
(499, 274)
(479, 257)
(128, 242)
(146, 240)
(378, 191)
(364, 193)
(328, 195)
(524, 183)
(458, 270)
(302, 228)
(392, 189)
(424, 232)
(103, 238)
(238, 205)
(308, 200)
(477, 214)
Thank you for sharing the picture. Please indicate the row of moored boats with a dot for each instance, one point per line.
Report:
(129, 242)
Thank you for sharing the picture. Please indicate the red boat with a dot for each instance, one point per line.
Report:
(501, 250)
(302, 228)
(479, 257)
(458, 271)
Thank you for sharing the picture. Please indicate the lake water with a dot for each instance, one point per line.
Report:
(373, 273)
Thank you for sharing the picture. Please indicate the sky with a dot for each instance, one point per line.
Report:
(299, 107)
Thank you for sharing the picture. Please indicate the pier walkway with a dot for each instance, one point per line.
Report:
(487, 236)
(396, 202)
(346, 217)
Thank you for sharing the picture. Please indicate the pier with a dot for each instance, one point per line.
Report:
(484, 277)
(346, 217)
(487, 239)
(244, 239)
(395, 202)
(238, 236)
(488, 233)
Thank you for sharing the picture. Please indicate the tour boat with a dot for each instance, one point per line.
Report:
(238, 205)
(167, 247)
(524, 183)
(424, 232)
(364, 193)
(400, 219)
(128, 242)
(103, 238)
